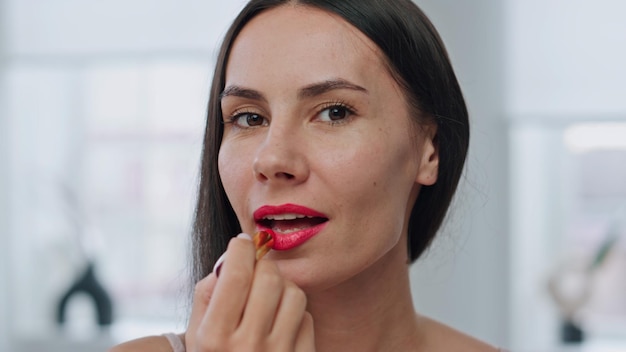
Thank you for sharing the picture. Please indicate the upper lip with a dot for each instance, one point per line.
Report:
(285, 212)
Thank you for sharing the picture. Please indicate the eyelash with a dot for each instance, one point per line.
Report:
(231, 120)
(326, 106)
(338, 104)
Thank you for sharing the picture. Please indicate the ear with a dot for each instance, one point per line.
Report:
(429, 162)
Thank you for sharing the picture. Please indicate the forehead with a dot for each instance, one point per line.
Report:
(301, 44)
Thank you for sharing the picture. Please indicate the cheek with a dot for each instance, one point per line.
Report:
(233, 170)
(376, 180)
(223, 167)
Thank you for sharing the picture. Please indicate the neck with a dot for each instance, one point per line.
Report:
(372, 312)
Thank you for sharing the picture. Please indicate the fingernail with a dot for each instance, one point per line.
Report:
(244, 236)
(220, 260)
(218, 264)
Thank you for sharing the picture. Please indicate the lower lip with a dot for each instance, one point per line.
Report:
(287, 241)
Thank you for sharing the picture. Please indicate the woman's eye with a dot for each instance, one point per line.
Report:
(335, 113)
(249, 120)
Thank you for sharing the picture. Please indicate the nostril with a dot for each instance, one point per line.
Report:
(277, 175)
(284, 175)
(261, 177)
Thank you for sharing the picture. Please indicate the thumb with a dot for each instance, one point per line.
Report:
(201, 298)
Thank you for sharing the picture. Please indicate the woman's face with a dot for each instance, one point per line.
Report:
(319, 146)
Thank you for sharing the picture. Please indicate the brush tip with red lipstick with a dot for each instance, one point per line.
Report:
(263, 242)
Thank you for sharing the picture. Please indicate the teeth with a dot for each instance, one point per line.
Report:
(287, 216)
(288, 231)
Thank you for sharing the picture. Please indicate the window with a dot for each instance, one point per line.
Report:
(568, 194)
(104, 162)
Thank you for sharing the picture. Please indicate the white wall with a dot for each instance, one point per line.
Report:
(4, 202)
(76, 28)
(566, 57)
(4, 206)
(464, 280)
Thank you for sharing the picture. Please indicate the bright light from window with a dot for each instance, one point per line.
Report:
(587, 137)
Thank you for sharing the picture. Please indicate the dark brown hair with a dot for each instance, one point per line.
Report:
(418, 61)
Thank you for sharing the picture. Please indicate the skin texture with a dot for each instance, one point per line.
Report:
(363, 171)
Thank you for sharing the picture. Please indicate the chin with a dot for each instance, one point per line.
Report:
(312, 278)
(305, 276)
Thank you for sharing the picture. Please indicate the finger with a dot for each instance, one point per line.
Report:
(231, 290)
(201, 298)
(265, 295)
(305, 341)
(289, 316)
(218, 264)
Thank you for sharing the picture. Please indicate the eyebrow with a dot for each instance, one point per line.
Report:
(237, 91)
(317, 89)
(312, 90)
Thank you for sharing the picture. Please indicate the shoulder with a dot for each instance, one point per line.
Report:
(444, 338)
(144, 344)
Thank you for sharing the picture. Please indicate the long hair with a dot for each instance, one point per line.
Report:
(418, 61)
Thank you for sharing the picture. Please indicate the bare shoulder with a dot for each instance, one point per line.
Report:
(444, 338)
(144, 344)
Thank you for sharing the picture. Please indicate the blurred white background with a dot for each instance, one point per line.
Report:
(101, 117)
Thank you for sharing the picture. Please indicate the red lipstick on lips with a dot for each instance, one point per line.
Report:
(292, 224)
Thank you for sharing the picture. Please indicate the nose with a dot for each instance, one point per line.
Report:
(281, 158)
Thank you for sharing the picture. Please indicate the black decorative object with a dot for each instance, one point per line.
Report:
(89, 284)
(571, 332)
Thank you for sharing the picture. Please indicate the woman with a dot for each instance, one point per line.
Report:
(340, 126)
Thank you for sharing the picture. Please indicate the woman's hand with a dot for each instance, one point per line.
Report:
(250, 308)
